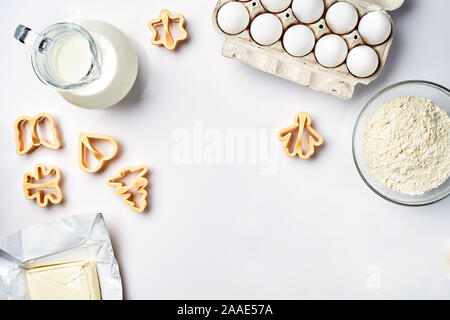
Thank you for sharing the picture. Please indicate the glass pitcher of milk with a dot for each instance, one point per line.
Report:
(92, 65)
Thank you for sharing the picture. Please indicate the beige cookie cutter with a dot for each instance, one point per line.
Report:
(126, 191)
(302, 123)
(164, 19)
(84, 144)
(36, 141)
(30, 184)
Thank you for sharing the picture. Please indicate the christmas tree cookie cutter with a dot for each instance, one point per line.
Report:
(34, 189)
(128, 191)
(165, 19)
(36, 141)
(85, 145)
(287, 135)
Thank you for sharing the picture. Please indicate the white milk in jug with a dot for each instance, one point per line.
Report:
(117, 61)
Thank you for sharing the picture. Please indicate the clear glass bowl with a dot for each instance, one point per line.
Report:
(421, 89)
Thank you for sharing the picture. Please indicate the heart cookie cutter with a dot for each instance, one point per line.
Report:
(138, 187)
(85, 144)
(302, 123)
(35, 190)
(36, 141)
(164, 19)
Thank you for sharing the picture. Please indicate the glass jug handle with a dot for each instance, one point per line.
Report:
(29, 37)
(25, 35)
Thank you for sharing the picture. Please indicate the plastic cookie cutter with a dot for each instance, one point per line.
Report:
(302, 124)
(165, 19)
(38, 185)
(134, 194)
(85, 145)
(36, 141)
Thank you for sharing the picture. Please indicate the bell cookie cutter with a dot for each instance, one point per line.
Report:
(302, 123)
(34, 189)
(85, 145)
(36, 141)
(164, 19)
(127, 192)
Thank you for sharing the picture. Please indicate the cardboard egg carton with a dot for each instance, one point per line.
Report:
(305, 70)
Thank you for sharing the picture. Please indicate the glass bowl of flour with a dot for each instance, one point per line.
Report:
(401, 143)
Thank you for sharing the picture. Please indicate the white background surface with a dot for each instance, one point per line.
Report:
(311, 230)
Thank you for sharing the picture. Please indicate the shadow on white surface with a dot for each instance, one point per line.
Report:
(136, 93)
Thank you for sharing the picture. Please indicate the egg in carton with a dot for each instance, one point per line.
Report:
(265, 47)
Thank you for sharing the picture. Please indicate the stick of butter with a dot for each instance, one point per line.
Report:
(67, 281)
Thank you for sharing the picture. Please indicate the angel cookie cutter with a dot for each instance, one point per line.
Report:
(129, 191)
(36, 141)
(287, 135)
(35, 185)
(165, 19)
(85, 145)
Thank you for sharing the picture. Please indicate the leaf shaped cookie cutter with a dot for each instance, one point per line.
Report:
(34, 189)
(302, 123)
(84, 145)
(138, 186)
(165, 18)
(36, 141)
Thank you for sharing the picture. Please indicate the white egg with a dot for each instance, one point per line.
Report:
(233, 18)
(276, 5)
(299, 40)
(331, 50)
(362, 61)
(266, 29)
(341, 17)
(374, 28)
(308, 11)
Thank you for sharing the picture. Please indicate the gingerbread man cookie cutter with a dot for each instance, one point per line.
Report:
(34, 189)
(85, 144)
(127, 191)
(164, 19)
(36, 141)
(302, 123)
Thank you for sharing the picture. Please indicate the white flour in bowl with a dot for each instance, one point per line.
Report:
(406, 145)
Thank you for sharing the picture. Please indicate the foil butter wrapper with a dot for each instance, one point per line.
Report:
(74, 238)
